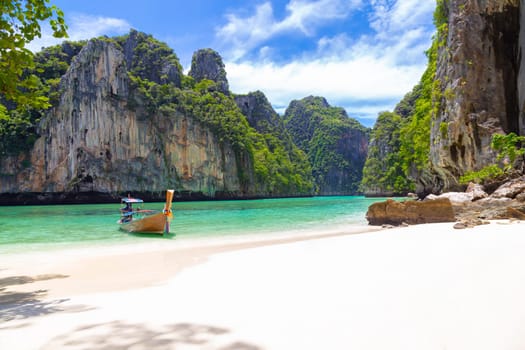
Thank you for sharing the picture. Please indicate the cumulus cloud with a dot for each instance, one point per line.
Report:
(82, 27)
(242, 34)
(396, 16)
(366, 73)
(362, 81)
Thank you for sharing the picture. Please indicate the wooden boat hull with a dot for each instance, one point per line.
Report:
(149, 224)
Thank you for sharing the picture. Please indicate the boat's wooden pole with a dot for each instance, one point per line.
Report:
(167, 210)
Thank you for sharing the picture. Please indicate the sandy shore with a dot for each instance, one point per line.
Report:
(421, 287)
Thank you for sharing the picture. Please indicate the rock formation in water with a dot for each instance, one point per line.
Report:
(480, 78)
(124, 122)
(263, 118)
(336, 145)
(93, 141)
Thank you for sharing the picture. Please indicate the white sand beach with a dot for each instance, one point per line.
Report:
(420, 287)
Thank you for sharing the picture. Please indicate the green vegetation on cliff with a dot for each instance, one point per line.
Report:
(415, 133)
(509, 150)
(383, 173)
(149, 59)
(334, 143)
(277, 170)
(290, 160)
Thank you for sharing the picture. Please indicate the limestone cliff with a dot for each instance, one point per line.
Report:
(126, 119)
(207, 64)
(263, 118)
(260, 113)
(148, 60)
(94, 140)
(480, 84)
(335, 144)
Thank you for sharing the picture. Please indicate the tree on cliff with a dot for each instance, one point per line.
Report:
(19, 25)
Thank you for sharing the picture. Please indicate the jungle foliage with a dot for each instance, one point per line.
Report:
(383, 171)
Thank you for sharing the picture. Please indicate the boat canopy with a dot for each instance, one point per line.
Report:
(132, 200)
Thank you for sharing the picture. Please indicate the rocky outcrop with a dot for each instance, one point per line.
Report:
(149, 59)
(474, 205)
(478, 79)
(94, 141)
(259, 112)
(470, 208)
(262, 117)
(335, 144)
(208, 64)
(393, 212)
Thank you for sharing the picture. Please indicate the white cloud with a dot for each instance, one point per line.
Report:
(303, 14)
(360, 79)
(395, 16)
(241, 35)
(82, 27)
(365, 74)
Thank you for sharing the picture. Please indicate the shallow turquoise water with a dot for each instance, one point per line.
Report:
(25, 228)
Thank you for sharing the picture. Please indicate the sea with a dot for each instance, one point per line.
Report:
(49, 227)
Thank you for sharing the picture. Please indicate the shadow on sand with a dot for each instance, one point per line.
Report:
(23, 305)
(122, 335)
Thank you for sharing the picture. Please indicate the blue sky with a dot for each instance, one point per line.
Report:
(363, 55)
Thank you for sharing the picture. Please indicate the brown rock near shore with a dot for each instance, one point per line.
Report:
(411, 212)
(470, 208)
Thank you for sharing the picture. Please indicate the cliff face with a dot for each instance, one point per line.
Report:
(207, 64)
(259, 112)
(94, 141)
(263, 118)
(335, 144)
(480, 83)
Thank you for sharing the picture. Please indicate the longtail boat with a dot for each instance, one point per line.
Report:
(137, 220)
